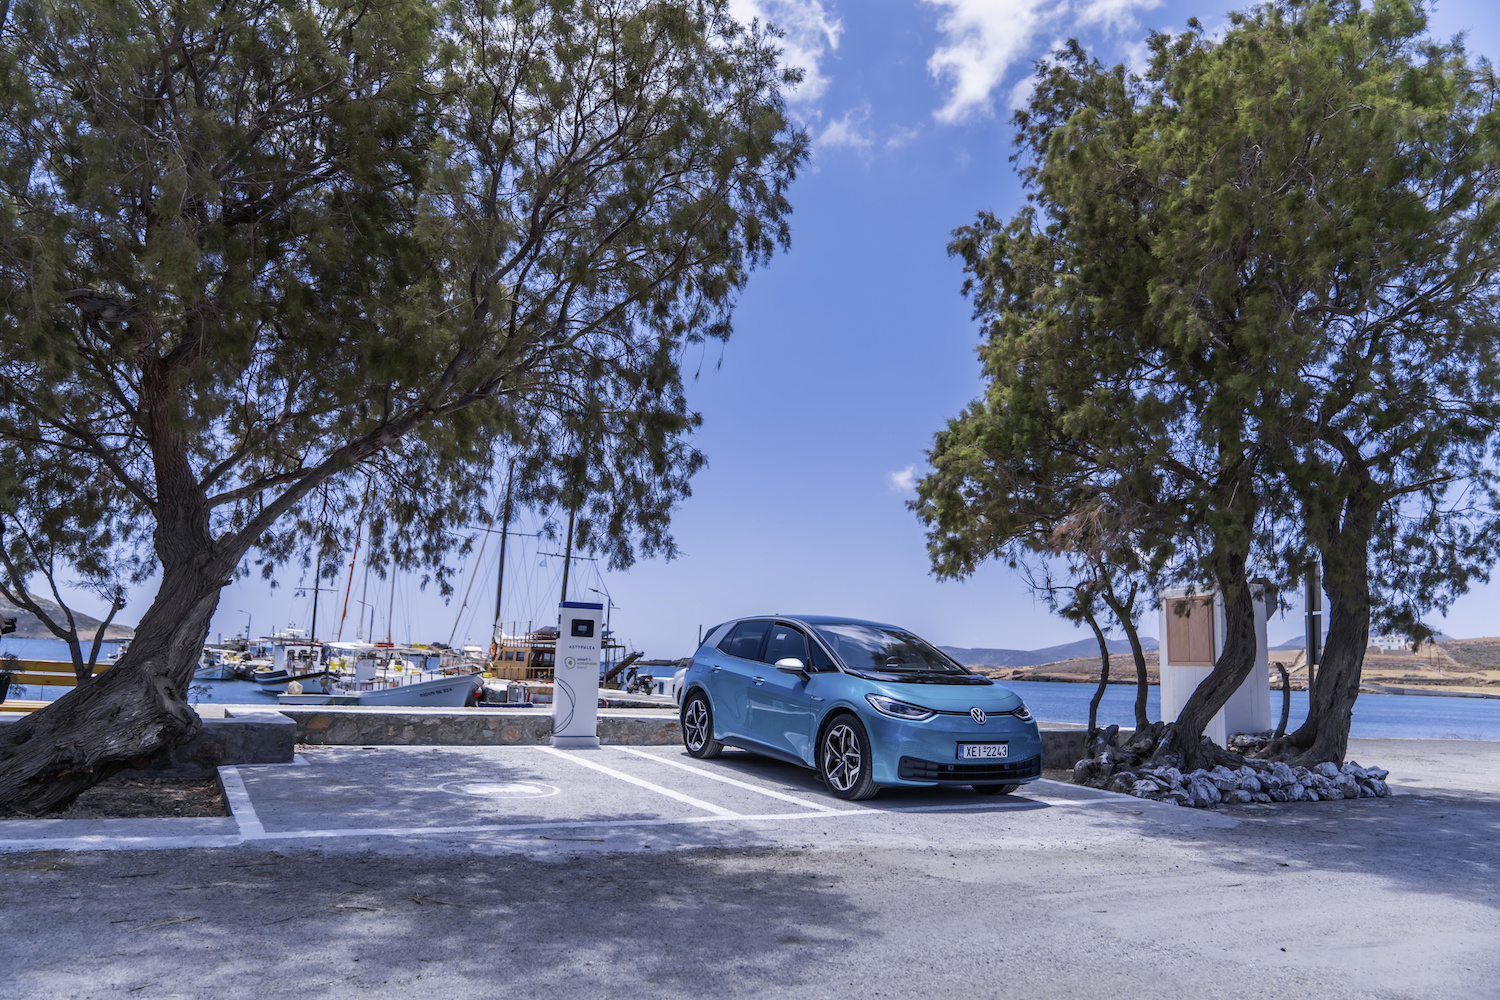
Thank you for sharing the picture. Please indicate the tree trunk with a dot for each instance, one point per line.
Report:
(1335, 686)
(1124, 614)
(1325, 734)
(128, 714)
(137, 709)
(1103, 673)
(1184, 737)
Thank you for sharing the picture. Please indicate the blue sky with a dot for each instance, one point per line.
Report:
(849, 351)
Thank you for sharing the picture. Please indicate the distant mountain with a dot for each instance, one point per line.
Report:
(29, 626)
(1036, 657)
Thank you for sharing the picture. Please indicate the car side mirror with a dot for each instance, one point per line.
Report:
(792, 665)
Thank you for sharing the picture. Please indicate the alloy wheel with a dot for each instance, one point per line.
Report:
(695, 724)
(842, 762)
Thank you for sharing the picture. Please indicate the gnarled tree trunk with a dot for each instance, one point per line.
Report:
(1184, 737)
(137, 709)
(1346, 578)
(131, 712)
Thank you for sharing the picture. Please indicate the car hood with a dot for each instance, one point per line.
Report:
(951, 697)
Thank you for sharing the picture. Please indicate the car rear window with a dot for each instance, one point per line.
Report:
(744, 640)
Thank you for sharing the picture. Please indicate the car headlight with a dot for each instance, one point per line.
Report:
(1021, 712)
(898, 709)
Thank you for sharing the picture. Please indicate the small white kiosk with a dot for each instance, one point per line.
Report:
(1192, 631)
(575, 675)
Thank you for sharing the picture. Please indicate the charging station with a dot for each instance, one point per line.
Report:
(575, 675)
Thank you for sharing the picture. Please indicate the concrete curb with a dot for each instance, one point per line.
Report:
(349, 726)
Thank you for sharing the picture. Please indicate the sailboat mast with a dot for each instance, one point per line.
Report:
(510, 476)
(313, 635)
(390, 612)
(348, 587)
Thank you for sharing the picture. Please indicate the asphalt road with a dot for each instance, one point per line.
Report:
(371, 882)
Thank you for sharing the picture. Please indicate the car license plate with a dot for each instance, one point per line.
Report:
(972, 751)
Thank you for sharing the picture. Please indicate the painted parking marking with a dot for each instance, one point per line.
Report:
(643, 783)
(705, 773)
(240, 806)
(246, 826)
(250, 831)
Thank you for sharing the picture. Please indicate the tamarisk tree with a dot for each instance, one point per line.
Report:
(1253, 290)
(259, 258)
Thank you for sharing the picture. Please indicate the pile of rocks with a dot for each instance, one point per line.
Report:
(1256, 781)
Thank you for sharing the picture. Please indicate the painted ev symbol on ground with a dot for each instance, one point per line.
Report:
(500, 789)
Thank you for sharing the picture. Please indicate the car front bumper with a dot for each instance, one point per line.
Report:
(926, 753)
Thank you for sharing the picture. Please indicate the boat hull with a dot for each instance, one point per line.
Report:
(444, 692)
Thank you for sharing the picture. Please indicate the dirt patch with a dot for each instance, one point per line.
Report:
(141, 798)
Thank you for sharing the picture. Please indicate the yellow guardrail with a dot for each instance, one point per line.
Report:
(54, 673)
(47, 672)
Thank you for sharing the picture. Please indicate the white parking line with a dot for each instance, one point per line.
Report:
(701, 772)
(240, 805)
(641, 782)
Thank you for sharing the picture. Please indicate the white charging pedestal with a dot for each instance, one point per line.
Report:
(1191, 644)
(575, 675)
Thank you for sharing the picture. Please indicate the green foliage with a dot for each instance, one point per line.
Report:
(1252, 290)
(258, 259)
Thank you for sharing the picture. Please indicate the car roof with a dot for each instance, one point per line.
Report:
(823, 620)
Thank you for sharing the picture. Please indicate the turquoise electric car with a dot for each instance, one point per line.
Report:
(863, 703)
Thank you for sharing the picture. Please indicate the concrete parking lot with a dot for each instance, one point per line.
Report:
(523, 871)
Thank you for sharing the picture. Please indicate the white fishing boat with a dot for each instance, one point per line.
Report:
(370, 674)
(293, 657)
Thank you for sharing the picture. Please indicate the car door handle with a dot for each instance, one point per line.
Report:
(816, 698)
(759, 680)
(714, 670)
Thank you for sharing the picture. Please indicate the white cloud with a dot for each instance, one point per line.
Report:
(811, 34)
(900, 137)
(902, 480)
(984, 39)
(851, 131)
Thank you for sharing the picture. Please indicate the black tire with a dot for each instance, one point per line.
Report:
(844, 759)
(697, 721)
(994, 789)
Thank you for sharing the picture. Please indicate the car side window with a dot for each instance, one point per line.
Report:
(744, 641)
(821, 662)
(785, 641)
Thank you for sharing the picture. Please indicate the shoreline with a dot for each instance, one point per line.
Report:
(1365, 688)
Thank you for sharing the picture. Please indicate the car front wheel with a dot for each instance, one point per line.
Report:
(698, 727)
(845, 761)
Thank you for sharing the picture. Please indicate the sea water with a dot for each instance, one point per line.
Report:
(1376, 716)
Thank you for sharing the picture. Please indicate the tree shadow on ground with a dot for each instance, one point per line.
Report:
(232, 922)
(1436, 843)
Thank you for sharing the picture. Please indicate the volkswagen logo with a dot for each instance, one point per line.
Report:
(977, 714)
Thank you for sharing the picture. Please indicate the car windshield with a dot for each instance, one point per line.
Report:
(870, 648)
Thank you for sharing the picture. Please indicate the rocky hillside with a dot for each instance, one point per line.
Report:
(28, 626)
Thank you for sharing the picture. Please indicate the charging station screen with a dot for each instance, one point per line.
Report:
(583, 628)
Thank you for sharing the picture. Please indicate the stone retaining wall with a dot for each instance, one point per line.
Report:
(252, 738)
(320, 725)
(343, 726)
